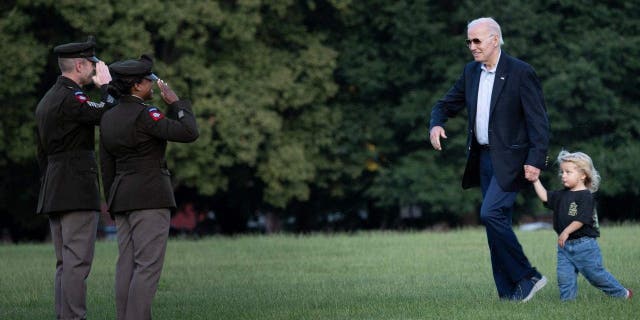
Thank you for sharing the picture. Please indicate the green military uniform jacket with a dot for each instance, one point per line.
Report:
(133, 138)
(66, 119)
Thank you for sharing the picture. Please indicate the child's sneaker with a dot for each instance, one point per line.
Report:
(629, 294)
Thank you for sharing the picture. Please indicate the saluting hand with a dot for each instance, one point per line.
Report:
(102, 75)
(168, 95)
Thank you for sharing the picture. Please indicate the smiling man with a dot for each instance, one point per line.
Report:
(506, 146)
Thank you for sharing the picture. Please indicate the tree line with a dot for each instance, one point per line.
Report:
(314, 107)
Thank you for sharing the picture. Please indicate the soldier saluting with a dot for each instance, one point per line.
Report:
(137, 183)
(69, 191)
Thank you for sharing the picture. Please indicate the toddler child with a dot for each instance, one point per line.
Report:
(576, 222)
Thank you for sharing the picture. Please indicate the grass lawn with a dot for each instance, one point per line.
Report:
(372, 275)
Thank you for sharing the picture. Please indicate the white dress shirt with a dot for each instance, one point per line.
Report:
(485, 87)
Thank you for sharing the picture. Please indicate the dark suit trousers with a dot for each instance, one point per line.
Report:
(142, 242)
(508, 261)
(73, 235)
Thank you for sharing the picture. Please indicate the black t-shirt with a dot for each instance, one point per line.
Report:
(569, 206)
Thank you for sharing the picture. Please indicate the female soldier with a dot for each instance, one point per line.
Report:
(136, 180)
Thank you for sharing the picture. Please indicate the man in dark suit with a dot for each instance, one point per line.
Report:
(69, 192)
(507, 146)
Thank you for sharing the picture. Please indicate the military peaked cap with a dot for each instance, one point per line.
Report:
(134, 67)
(78, 50)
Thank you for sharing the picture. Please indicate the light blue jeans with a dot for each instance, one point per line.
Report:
(583, 255)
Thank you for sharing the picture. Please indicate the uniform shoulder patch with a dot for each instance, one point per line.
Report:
(155, 113)
(80, 96)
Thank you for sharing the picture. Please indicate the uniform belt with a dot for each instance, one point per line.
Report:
(484, 147)
(140, 164)
(72, 154)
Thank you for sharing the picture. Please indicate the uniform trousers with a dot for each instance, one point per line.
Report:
(142, 243)
(73, 235)
(508, 261)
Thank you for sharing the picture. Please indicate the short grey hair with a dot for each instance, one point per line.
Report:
(491, 24)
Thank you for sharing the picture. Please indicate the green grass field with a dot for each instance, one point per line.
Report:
(377, 275)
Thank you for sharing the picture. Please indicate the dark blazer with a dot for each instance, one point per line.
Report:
(518, 123)
(133, 137)
(66, 119)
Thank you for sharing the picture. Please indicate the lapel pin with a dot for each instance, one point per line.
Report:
(501, 78)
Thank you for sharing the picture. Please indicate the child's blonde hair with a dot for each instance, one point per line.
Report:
(584, 163)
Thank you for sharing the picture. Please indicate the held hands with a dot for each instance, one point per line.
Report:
(168, 95)
(102, 75)
(531, 173)
(436, 133)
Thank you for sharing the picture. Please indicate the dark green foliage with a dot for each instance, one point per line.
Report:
(313, 106)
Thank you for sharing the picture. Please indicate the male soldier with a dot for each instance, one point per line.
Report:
(69, 191)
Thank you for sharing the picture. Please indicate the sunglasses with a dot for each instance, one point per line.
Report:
(476, 41)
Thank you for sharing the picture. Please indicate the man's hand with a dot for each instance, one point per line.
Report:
(436, 133)
(531, 173)
(167, 93)
(102, 75)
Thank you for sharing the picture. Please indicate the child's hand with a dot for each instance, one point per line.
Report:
(562, 238)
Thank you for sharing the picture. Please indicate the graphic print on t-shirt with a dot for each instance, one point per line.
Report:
(573, 209)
